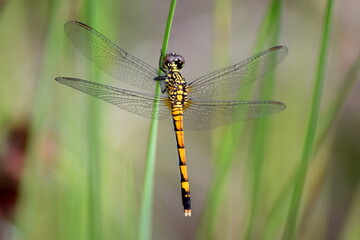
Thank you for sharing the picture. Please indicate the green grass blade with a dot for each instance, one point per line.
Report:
(346, 86)
(226, 151)
(290, 229)
(40, 107)
(270, 29)
(93, 144)
(167, 31)
(347, 83)
(145, 223)
(222, 14)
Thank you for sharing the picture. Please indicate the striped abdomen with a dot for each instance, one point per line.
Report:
(177, 114)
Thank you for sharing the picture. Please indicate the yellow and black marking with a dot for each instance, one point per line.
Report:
(177, 90)
(177, 114)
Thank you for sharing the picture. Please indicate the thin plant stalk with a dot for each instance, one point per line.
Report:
(352, 75)
(290, 229)
(145, 223)
(41, 105)
(222, 31)
(93, 145)
(347, 83)
(229, 144)
(270, 29)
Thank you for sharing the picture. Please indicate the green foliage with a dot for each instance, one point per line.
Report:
(90, 169)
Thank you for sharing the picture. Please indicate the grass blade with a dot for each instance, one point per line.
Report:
(93, 145)
(222, 29)
(352, 75)
(290, 229)
(145, 223)
(270, 29)
(41, 105)
(230, 141)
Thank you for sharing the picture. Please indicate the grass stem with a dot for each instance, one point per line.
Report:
(269, 32)
(93, 145)
(145, 223)
(290, 229)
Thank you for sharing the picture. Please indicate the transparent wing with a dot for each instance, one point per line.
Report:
(232, 78)
(135, 102)
(110, 58)
(203, 114)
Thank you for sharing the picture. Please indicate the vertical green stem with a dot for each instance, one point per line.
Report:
(222, 14)
(229, 144)
(93, 144)
(41, 107)
(167, 31)
(347, 83)
(270, 29)
(290, 229)
(145, 223)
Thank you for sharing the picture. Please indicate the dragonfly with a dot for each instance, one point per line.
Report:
(189, 104)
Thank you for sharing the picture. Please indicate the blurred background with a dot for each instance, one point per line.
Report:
(72, 166)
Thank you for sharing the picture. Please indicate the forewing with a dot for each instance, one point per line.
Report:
(110, 58)
(203, 114)
(135, 102)
(234, 77)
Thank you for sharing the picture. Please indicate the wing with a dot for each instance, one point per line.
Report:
(110, 58)
(135, 102)
(232, 78)
(203, 114)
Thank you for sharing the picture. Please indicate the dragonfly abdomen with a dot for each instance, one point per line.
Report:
(177, 91)
(177, 114)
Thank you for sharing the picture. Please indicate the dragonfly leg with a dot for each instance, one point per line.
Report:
(160, 78)
(162, 82)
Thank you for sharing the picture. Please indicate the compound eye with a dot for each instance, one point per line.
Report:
(180, 61)
(180, 58)
(168, 59)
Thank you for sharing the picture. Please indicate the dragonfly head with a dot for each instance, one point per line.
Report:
(173, 62)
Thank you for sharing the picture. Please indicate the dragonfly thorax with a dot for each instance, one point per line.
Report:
(177, 89)
(176, 86)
